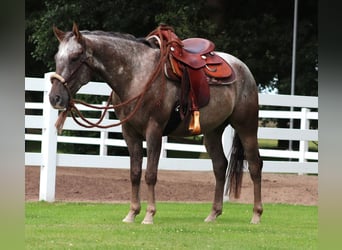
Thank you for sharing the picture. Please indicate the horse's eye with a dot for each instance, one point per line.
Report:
(75, 56)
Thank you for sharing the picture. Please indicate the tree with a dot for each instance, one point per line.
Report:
(258, 32)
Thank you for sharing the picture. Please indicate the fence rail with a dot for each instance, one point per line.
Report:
(40, 128)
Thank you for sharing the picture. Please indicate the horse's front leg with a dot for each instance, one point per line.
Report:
(153, 141)
(134, 145)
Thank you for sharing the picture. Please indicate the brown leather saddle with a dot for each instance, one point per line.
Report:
(193, 62)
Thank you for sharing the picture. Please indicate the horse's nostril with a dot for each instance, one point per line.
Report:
(57, 99)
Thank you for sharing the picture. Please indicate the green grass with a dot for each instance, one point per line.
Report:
(177, 226)
(273, 144)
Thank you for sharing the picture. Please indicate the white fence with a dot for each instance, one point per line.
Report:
(41, 128)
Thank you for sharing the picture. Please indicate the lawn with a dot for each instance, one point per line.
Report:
(177, 226)
(273, 144)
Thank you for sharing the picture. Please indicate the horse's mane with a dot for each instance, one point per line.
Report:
(112, 34)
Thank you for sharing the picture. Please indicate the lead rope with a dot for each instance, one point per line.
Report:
(87, 123)
(72, 108)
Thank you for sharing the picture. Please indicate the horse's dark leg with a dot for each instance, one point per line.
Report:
(244, 120)
(153, 142)
(214, 148)
(250, 143)
(134, 144)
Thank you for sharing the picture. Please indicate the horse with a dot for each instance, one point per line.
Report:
(128, 65)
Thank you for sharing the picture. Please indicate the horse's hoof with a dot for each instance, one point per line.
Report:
(213, 215)
(148, 220)
(255, 219)
(210, 218)
(129, 218)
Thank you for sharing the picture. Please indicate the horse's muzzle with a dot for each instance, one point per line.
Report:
(59, 95)
(57, 102)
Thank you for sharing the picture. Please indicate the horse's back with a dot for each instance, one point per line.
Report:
(239, 67)
(243, 78)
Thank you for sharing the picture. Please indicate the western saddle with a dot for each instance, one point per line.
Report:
(193, 62)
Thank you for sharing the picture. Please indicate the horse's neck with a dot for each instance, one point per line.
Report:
(124, 65)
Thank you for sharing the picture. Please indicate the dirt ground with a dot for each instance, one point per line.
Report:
(113, 185)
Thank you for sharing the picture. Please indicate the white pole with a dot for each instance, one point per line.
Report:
(227, 141)
(104, 134)
(48, 148)
(293, 71)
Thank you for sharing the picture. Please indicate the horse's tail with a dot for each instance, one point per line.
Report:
(235, 167)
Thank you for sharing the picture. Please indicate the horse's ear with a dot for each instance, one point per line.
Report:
(76, 32)
(58, 33)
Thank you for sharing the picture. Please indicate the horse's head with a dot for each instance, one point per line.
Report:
(72, 67)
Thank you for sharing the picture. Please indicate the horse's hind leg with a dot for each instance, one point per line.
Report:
(250, 144)
(214, 148)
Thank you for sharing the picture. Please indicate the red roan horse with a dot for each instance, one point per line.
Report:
(126, 65)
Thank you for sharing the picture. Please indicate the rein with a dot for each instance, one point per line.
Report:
(76, 113)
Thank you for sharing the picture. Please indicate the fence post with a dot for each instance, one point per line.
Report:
(104, 135)
(48, 148)
(303, 145)
(227, 140)
(163, 151)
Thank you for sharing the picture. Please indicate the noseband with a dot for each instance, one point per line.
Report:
(58, 77)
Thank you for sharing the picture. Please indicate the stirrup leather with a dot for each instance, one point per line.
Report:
(194, 126)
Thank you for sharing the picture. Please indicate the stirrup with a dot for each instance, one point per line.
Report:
(194, 126)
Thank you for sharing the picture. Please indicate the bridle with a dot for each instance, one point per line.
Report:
(76, 113)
